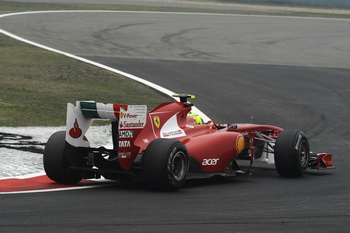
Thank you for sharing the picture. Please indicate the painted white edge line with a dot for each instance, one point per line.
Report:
(102, 182)
(43, 190)
(50, 190)
(130, 76)
(133, 77)
(99, 183)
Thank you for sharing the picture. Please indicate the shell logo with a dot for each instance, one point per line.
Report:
(240, 143)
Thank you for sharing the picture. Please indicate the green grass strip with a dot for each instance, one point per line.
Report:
(37, 84)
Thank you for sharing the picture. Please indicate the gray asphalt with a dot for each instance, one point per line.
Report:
(237, 5)
(293, 73)
(163, 3)
(192, 37)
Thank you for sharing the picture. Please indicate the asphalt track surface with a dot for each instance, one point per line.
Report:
(289, 72)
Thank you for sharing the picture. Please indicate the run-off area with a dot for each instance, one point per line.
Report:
(21, 148)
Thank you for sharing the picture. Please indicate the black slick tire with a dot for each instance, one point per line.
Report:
(165, 164)
(55, 162)
(292, 153)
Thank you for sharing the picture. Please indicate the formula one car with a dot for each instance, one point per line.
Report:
(169, 145)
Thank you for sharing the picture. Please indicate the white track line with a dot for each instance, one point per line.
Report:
(50, 190)
(41, 190)
(133, 77)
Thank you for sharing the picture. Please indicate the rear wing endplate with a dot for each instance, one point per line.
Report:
(81, 116)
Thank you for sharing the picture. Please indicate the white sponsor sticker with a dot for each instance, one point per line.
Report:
(124, 143)
(134, 117)
(126, 134)
(124, 155)
(173, 134)
(171, 129)
(298, 142)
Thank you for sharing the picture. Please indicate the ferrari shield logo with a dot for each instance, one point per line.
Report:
(156, 121)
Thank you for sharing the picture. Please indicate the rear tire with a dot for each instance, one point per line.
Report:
(55, 163)
(292, 153)
(165, 164)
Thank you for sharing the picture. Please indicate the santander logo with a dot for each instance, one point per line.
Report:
(75, 132)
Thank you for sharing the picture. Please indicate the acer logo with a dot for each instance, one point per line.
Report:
(210, 162)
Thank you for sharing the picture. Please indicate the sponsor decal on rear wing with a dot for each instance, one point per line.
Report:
(132, 117)
(81, 116)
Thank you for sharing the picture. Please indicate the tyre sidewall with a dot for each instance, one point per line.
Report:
(287, 153)
(55, 163)
(178, 149)
(158, 162)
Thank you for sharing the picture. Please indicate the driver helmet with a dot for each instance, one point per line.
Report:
(196, 117)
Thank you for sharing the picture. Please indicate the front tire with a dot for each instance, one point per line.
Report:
(165, 164)
(292, 153)
(55, 163)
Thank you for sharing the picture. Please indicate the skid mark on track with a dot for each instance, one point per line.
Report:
(100, 34)
(176, 40)
(21, 143)
(318, 126)
(168, 38)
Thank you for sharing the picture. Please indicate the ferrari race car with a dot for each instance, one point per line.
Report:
(169, 145)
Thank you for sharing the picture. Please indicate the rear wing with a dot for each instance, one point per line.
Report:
(81, 116)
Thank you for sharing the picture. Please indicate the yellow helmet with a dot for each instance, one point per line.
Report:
(197, 118)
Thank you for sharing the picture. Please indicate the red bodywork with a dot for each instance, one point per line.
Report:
(212, 148)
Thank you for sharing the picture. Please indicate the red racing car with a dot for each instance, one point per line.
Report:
(169, 145)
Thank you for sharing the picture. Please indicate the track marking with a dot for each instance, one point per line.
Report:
(133, 77)
(32, 182)
(38, 183)
(41, 183)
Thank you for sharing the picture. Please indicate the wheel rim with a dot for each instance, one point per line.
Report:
(303, 154)
(179, 166)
